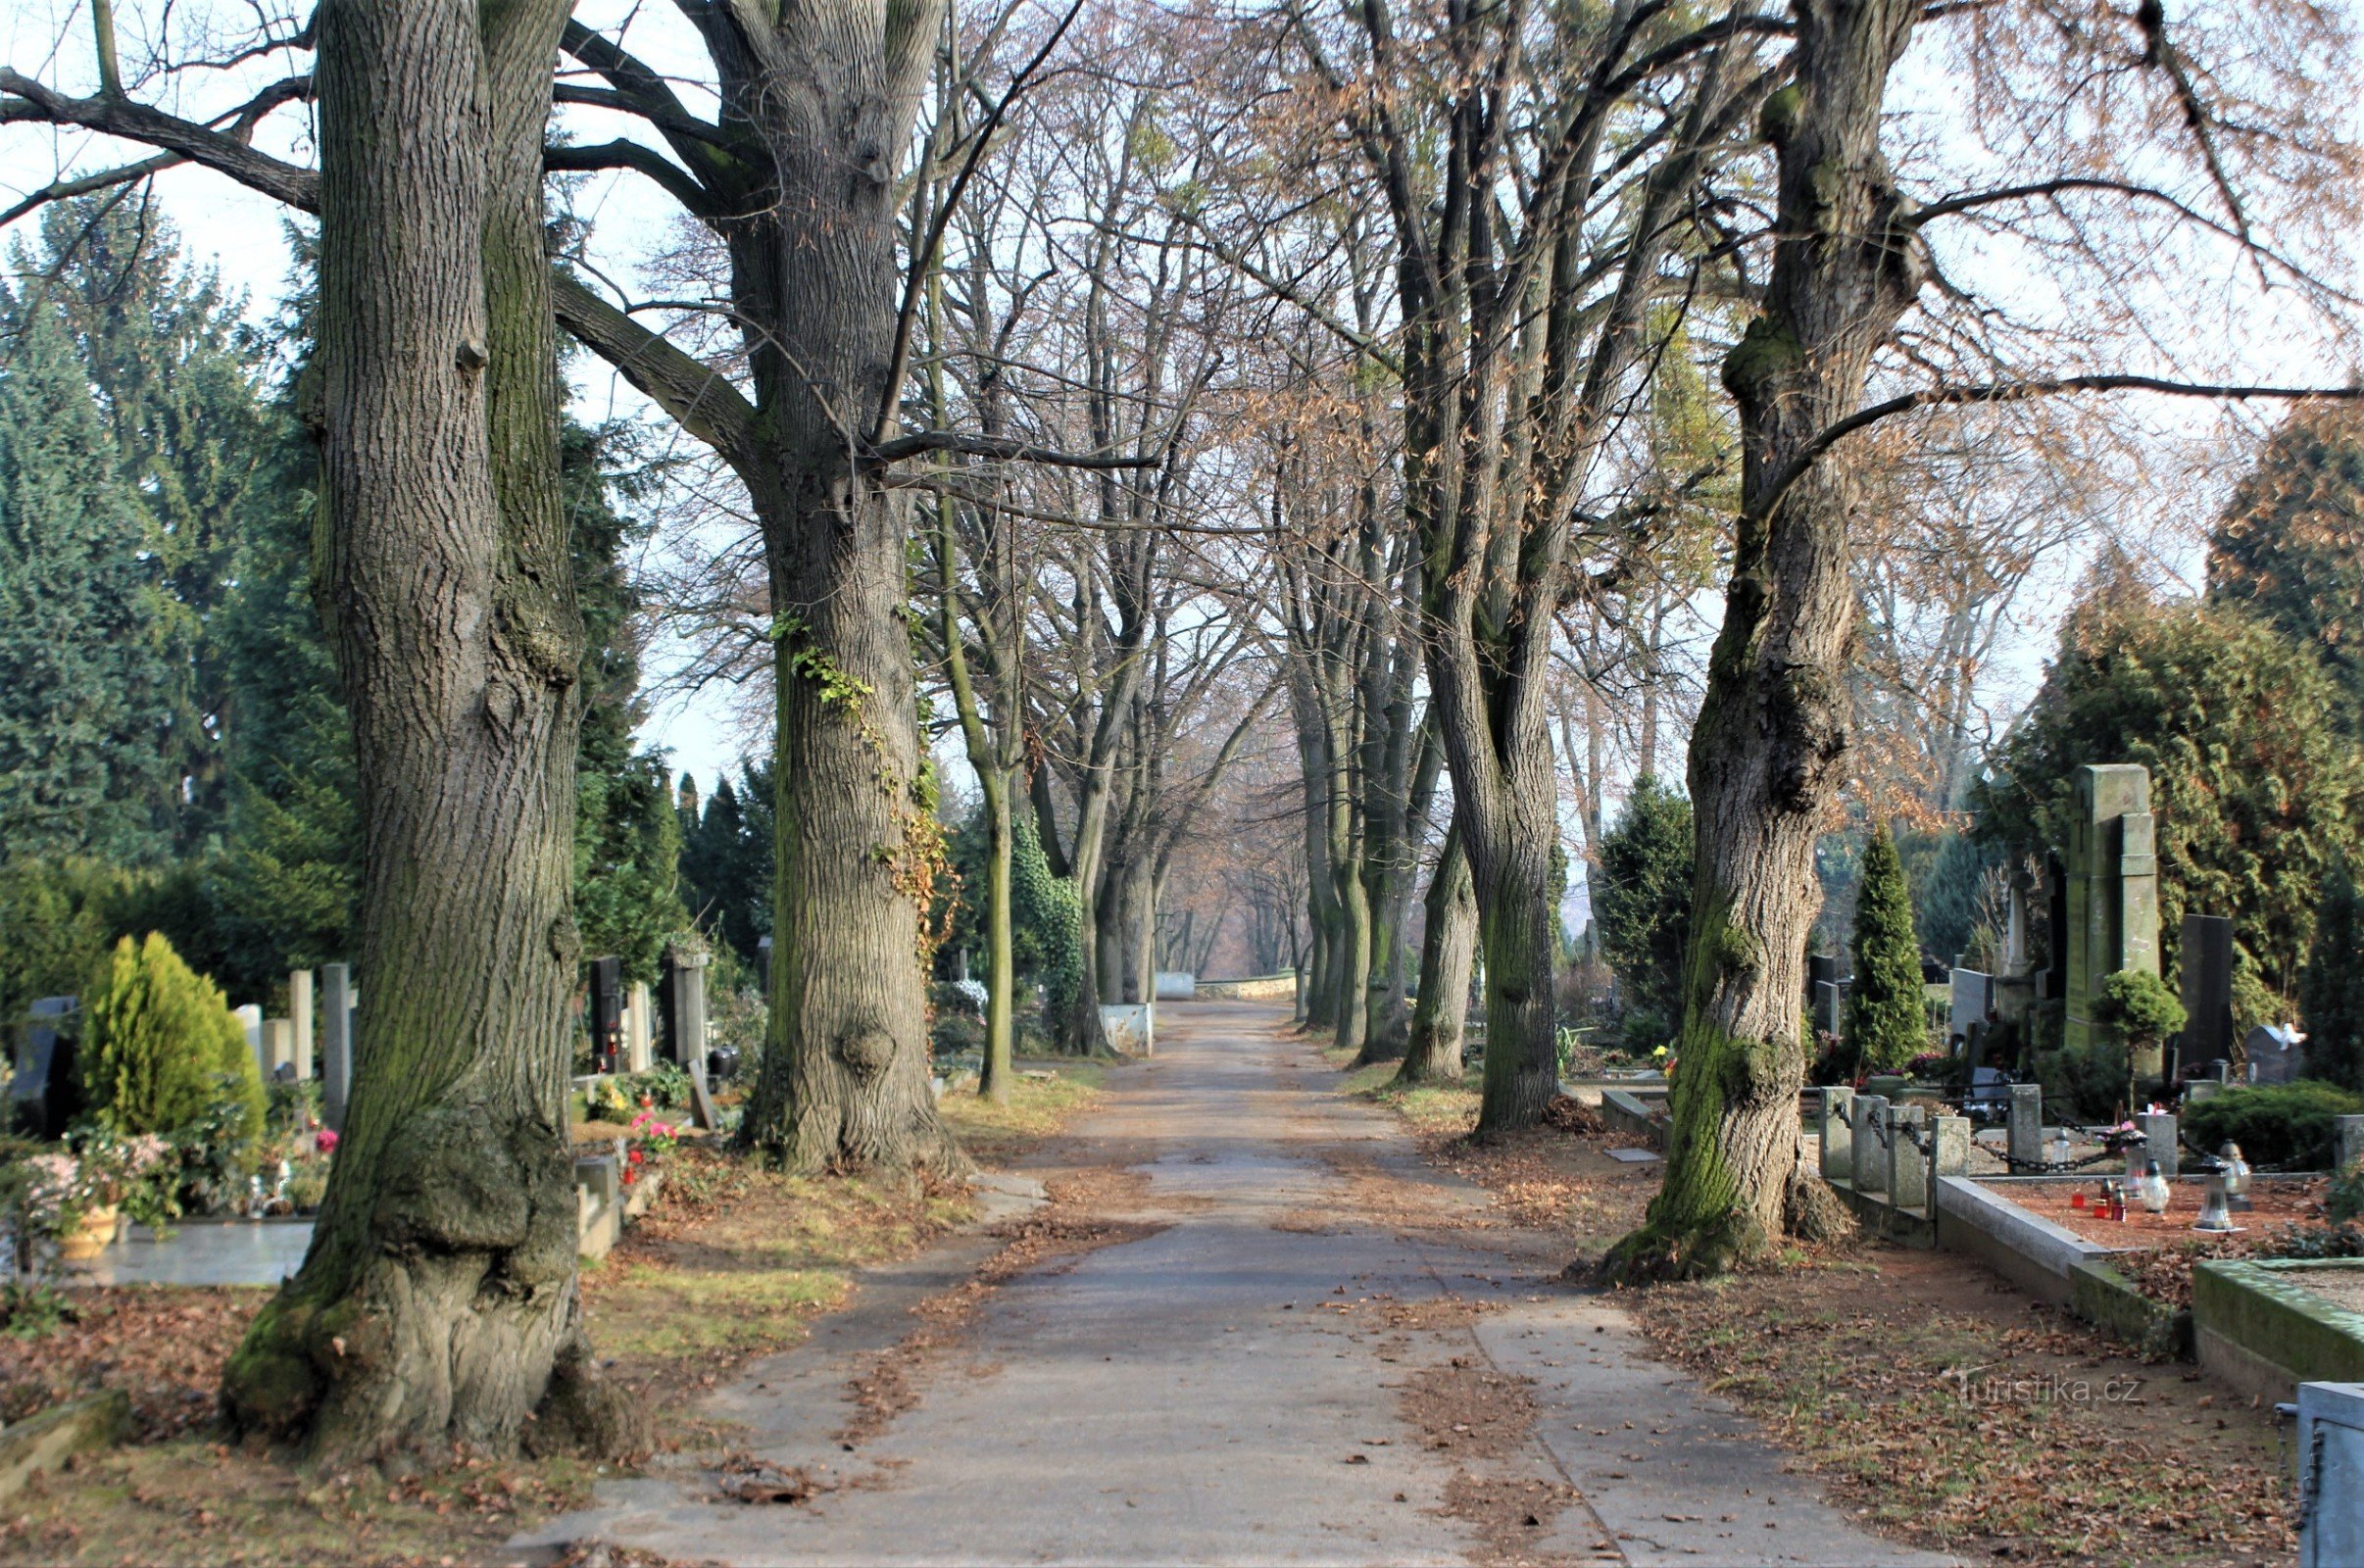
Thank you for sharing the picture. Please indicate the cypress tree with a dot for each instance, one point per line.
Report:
(2290, 545)
(2330, 994)
(1887, 1021)
(163, 1051)
(1642, 898)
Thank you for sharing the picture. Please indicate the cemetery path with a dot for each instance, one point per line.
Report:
(1284, 1342)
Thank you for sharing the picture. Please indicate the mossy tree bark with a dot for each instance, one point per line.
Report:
(1448, 950)
(437, 1301)
(1766, 754)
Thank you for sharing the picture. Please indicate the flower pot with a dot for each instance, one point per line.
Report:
(89, 1238)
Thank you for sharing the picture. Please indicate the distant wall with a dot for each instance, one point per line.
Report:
(1261, 988)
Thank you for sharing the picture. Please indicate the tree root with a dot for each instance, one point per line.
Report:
(1661, 1252)
(1812, 1212)
(583, 1414)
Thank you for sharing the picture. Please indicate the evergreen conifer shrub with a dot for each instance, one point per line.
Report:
(161, 1052)
(2331, 993)
(1886, 1019)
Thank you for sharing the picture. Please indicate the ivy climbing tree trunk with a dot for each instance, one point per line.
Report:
(437, 1301)
(797, 179)
(1766, 755)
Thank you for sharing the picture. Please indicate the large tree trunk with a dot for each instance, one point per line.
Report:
(1448, 947)
(436, 1303)
(1766, 755)
(832, 91)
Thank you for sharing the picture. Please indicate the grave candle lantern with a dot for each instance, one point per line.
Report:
(2153, 1187)
(2237, 1176)
(2214, 1214)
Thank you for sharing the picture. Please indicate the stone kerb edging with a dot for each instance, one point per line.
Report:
(2026, 1248)
(1625, 1113)
(2264, 1334)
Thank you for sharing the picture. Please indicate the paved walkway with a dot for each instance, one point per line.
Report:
(1301, 1358)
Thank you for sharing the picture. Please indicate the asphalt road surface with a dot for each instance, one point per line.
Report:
(1294, 1346)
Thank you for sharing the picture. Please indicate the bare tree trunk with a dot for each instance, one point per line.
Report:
(436, 1304)
(831, 89)
(1766, 755)
(1448, 948)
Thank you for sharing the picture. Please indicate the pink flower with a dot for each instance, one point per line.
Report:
(324, 1140)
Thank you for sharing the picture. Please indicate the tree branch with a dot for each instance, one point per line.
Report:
(678, 183)
(224, 151)
(199, 143)
(2022, 392)
(693, 393)
(977, 445)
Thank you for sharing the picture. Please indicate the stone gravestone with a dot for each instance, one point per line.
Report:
(2113, 894)
(2158, 1133)
(2350, 1134)
(1869, 1154)
(1838, 1145)
(2023, 1133)
(1973, 1007)
(45, 1091)
(250, 1019)
(2206, 981)
(606, 1014)
(1830, 1006)
(1820, 967)
(2273, 1054)
(278, 1051)
(637, 1031)
(299, 1021)
(336, 1043)
(685, 1026)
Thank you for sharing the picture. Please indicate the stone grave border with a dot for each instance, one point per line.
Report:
(2264, 1335)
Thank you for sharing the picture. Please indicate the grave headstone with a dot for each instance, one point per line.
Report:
(638, 1031)
(2023, 1131)
(1870, 1155)
(1837, 1147)
(606, 1013)
(1821, 969)
(2350, 1139)
(336, 1043)
(2273, 1052)
(1973, 1005)
(1830, 1006)
(2051, 981)
(684, 1008)
(278, 1051)
(1907, 1174)
(45, 1091)
(1950, 1147)
(763, 962)
(2206, 980)
(2158, 1132)
(250, 1019)
(300, 1020)
(2112, 880)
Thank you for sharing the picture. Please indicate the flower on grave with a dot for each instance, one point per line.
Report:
(326, 1141)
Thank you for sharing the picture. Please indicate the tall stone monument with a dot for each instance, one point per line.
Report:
(2112, 874)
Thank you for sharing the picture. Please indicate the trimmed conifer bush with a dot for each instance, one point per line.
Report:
(161, 1052)
(1886, 1019)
